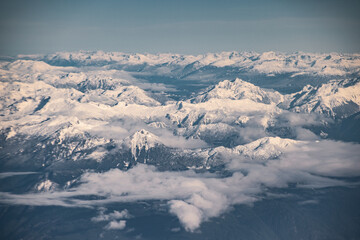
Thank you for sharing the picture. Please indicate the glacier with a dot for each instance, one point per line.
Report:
(188, 139)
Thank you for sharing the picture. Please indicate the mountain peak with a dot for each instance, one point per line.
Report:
(239, 89)
(265, 148)
(141, 140)
(337, 99)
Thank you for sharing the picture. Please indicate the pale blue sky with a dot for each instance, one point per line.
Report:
(183, 26)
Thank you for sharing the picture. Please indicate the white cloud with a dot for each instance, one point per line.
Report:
(197, 197)
(308, 202)
(326, 158)
(189, 215)
(116, 225)
(170, 140)
(124, 214)
(113, 219)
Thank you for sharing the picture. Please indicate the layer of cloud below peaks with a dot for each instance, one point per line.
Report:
(196, 197)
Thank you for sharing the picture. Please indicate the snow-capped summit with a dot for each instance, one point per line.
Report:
(121, 94)
(141, 140)
(265, 148)
(260, 150)
(131, 95)
(337, 99)
(239, 89)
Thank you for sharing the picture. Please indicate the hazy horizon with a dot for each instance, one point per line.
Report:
(187, 27)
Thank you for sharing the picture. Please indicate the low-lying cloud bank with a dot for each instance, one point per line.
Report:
(196, 197)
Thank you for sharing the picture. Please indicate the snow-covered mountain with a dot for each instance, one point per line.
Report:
(141, 140)
(239, 89)
(337, 99)
(222, 129)
(39, 99)
(267, 62)
(286, 73)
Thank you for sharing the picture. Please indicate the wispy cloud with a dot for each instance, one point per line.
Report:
(10, 174)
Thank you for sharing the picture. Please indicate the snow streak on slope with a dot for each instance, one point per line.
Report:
(141, 140)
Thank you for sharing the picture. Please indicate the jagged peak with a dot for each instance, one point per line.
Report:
(131, 94)
(265, 148)
(141, 140)
(239, 89)
(337, 98)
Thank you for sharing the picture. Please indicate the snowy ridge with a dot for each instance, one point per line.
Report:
(118, 95)
(260, 150)
(239, 89)
(336, 99)
(131, 95)
(265, 148)
(268, 62)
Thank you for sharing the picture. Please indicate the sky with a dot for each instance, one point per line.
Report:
(186, 26)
